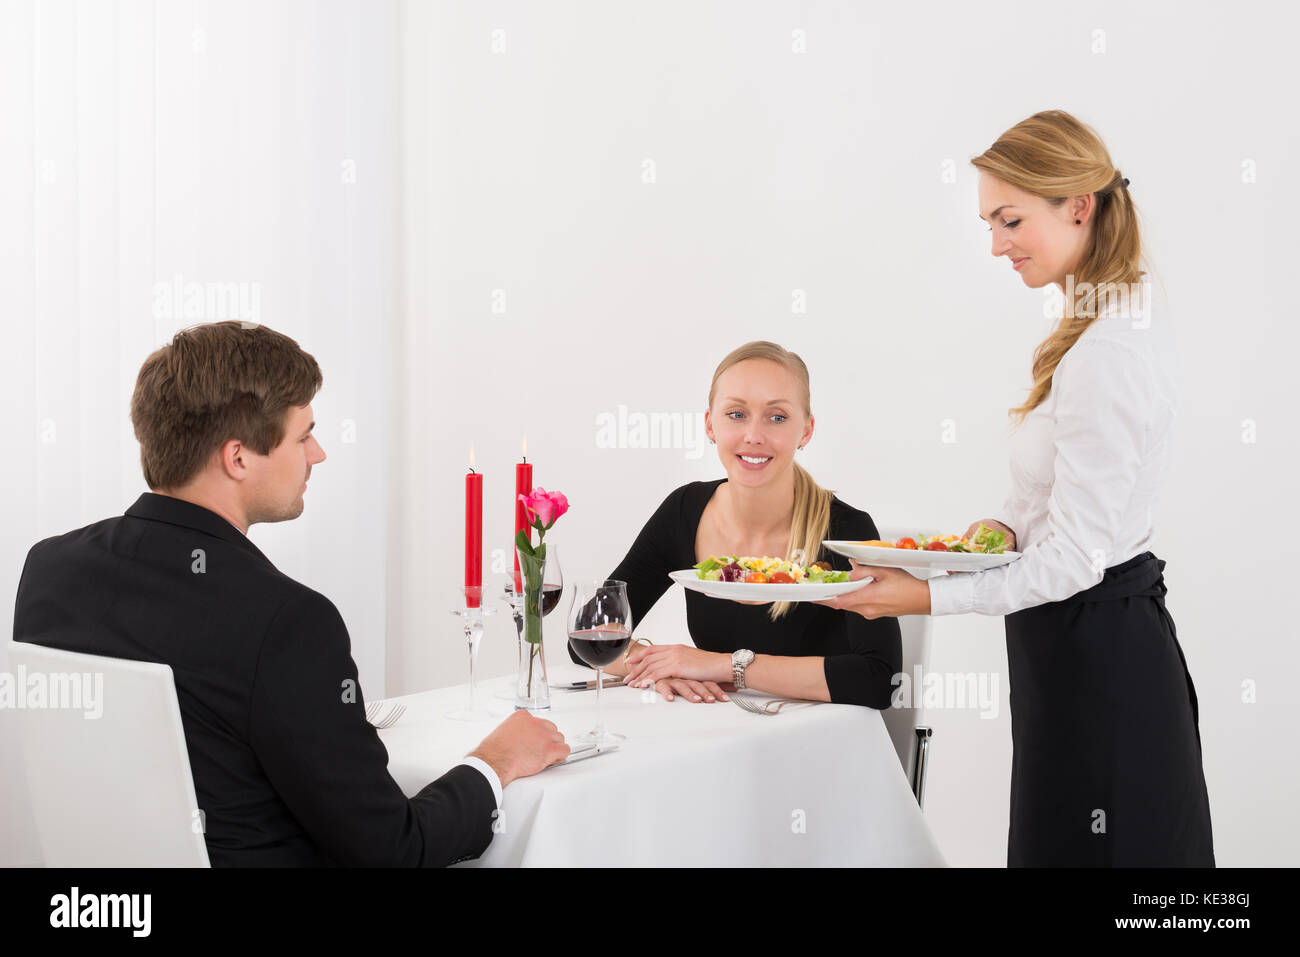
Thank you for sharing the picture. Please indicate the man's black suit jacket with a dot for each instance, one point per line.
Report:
(286, 768)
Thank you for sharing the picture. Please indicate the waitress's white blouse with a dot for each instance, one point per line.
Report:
(1086, 468)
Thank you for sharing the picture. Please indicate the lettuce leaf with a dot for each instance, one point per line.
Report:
(993, 541)
(821, 576)
(711, 568)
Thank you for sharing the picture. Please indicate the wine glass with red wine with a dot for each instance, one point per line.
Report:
(552, 580)
(600, 627)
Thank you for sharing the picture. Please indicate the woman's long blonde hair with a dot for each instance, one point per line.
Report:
(1052, 155)
(812, 503)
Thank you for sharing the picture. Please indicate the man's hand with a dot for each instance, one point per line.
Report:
(522, 745)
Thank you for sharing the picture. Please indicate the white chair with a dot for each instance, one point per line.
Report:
(911, 738)
(113, 790)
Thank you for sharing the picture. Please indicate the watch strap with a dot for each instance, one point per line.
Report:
(740, 660)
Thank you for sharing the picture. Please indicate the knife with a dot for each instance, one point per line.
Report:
(584, 752)
(616, 682)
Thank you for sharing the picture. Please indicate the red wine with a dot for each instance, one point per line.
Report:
(599, 647)
(550, 598)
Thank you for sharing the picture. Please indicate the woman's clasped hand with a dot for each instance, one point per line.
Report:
(673, 670)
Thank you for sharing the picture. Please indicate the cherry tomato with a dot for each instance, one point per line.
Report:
(907, 543)
(781, 578)
(936, 547)
(756, 578)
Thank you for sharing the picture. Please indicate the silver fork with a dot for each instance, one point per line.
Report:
(753, 707)
(375, 708)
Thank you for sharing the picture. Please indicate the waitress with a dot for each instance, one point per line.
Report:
(1106, 769)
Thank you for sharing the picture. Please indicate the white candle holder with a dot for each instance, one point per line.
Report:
(473, 618)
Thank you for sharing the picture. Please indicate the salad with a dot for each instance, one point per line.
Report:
(986, 541)
(775, 571)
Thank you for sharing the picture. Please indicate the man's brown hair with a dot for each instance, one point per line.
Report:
(211, 383)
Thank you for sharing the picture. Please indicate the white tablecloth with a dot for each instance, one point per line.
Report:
(694, 784)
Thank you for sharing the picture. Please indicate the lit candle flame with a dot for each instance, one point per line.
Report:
(524, 453)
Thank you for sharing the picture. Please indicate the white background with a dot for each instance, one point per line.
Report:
(493, 220)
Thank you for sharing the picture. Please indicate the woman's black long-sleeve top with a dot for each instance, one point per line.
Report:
(861, 657)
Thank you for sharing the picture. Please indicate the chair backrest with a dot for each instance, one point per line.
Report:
(903, 722)
(104, 751)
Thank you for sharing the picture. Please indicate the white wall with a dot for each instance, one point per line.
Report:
(527, 127)
(239, 142)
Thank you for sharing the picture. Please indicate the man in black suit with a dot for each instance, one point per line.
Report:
(286, 768)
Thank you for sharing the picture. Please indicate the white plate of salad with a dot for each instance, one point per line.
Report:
(743, 578)
(953, 553)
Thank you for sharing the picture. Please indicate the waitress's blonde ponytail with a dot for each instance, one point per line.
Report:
(1054, 156)
(812, 503)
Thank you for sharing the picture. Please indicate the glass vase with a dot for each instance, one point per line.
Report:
(532, 692)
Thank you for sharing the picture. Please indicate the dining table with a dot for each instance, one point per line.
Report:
(693, 784)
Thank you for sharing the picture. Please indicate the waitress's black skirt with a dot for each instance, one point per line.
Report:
(1106, 770)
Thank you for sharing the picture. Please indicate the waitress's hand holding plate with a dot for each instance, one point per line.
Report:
(891, 592)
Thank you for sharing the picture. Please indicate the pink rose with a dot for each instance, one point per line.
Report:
(544, 507)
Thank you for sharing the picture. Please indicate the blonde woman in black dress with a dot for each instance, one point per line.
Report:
(759, 417)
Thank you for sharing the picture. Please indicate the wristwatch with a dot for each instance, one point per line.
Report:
(740, 660)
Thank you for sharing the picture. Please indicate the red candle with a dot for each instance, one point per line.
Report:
(473, 536)
(523, 485)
